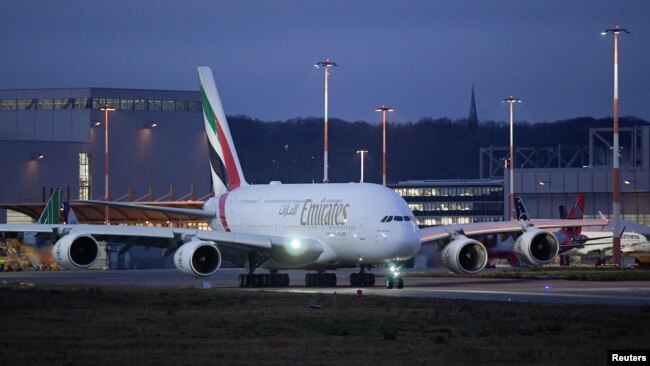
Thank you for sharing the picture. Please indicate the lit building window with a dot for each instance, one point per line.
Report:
(82, 103)
(155, 105)
(63, 103)
(8, 105)
(168, 105)
(44, 104)
(26, 104)
(126, 104)
(84, 177)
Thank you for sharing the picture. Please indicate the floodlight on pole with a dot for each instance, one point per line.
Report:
(511, 206)
(616, 189)
(326, 65)
(106, 108)
(383, 109)
(362, 153)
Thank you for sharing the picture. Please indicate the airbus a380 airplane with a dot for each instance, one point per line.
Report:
(310, 226)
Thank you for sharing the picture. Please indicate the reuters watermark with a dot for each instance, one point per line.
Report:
(628, 357)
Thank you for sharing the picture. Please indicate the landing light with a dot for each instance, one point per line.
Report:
(295, 247)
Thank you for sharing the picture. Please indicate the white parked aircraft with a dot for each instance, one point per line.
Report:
(309, 226)
(601, 244)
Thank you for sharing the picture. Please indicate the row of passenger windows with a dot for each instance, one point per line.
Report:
(96, 103)
(449, 191)
(397, 218)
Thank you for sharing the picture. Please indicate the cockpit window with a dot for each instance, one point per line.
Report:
(398, 218)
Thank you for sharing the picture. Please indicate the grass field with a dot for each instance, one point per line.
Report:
(77, 325)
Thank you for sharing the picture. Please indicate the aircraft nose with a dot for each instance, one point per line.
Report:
(407, 244)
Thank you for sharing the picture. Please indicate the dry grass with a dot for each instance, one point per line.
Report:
(135, 326)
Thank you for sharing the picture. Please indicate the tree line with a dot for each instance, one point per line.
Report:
(292, 151)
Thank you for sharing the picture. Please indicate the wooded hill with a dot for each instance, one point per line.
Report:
(292, 151)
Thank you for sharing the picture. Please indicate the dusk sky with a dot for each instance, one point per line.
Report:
(420, 57)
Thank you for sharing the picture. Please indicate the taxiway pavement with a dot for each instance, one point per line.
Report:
(634, 293)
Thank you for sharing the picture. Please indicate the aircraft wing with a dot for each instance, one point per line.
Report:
(431, 234)
(116, 232)
(202, 248)
(181, 211)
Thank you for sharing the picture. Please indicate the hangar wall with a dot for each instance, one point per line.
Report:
(59, 124)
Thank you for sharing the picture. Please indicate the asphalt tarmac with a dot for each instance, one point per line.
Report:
(634, 293)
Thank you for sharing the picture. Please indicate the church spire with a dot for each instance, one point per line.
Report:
(472, 120)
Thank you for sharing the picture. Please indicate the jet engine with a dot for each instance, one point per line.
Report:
(537, 247)
(198, 258)
(465, 256)
(76, 250)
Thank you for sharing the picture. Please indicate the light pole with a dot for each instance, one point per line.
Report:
(383, 109)
(106, 108)
(511, 100)
(326, 66)
(616, 190)
(362, 152)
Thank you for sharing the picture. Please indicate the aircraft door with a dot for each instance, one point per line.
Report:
(363, 229)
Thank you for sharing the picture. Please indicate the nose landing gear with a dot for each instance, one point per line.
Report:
(394, 277)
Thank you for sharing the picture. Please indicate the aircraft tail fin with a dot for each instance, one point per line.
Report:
(52, 212)
(51, 215)
(224, 164)
(520, 209)
(578, 208)
(577, 212)
(563, 213)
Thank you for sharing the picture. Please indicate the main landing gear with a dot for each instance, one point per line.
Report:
(320, 279)
(273, 279)
(362, 279)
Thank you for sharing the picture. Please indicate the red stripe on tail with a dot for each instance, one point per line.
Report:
(234, 181)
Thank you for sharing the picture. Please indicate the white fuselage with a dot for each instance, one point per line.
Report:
(630, 241)
(344, 218)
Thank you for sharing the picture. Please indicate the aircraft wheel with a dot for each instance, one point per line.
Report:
(369, 279)
(389, 283)
(353, 280)
(286, 280)
(399, 283)
(241, 281)
(332, 281)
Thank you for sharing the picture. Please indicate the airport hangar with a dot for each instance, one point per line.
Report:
(54, 138)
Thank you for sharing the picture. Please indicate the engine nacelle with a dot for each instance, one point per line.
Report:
(75, 251)
(198, 258)
(537, 247)
(465, 255)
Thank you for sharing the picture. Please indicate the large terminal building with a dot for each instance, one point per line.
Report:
(55, 138)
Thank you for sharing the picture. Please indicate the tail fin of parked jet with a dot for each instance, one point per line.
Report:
(578, 208)
(52, 212)
(520, 209)
(224, 163)
(50, 215)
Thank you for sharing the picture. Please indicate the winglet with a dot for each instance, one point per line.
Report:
(602, 217)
